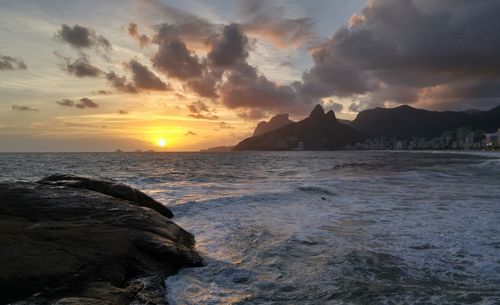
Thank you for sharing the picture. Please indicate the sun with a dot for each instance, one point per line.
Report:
(162, 142)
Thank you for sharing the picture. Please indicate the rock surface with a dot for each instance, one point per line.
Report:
(276, 122)
(64, 245)
(108, 187)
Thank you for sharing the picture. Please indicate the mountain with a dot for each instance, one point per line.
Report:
(405, 121)
(345, 122)
(274, 123)
(319, 131)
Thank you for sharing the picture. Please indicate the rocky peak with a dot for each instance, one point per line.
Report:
(274, 123)
(317, 112)
(330, 115)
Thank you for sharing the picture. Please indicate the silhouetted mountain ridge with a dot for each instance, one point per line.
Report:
(319, 131)
(405, 121)
(274, 123)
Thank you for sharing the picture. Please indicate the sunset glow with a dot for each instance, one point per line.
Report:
(162, 142)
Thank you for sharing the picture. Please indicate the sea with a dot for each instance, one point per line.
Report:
(344, 227)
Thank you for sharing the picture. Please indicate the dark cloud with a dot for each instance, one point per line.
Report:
(103, 92)
(81, 104)
(142, 39)
(224, 74)
(122, 112)
(80, 67)
(268, 20)
(224, 125)
(66, 102)
(245, 88)
(405, 51)
(336, 107)
(207, 84)
(86, 103)
(355, 107)
(229, 48)
(81, 37)
(11, 63)
(252, 114)
(198, 106)
(173, 57)
(23, 108)
(190, 133)
(201, 110)
(120, 83)
(143, 78)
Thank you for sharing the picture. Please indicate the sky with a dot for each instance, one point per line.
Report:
(186, 75)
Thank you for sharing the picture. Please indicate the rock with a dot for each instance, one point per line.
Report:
(276, 122)
(63, 244)
(108, 187)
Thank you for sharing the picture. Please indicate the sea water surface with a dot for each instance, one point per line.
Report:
(317, 227)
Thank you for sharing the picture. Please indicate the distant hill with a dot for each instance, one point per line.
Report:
(218, 149)
(319, 131)
(274, 123)
(405, 121)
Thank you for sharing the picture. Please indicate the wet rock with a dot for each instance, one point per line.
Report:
(108, 187)
(67, 245)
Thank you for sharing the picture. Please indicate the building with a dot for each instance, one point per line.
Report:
(492, 139)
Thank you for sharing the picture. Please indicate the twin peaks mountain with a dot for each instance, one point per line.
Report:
(319, 131)
(322, 131)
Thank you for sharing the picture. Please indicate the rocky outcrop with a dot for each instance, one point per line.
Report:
(64, 243)
(108, 187)
(276, 122)
(319, 131)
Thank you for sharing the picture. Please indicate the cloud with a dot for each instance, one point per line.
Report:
(142, 39)
(269, 21)
(80, 67)
(122, 112)
(23, 108)
(229, 48)
(245, 88)
(81, 104)
(336, 107)
(81, 37)
(252, 114)
(120, 83)
(173, 57)
(224, 125)
(192, 29)
(11, 63)
(200, 110)
(207, 84)
(190, 133)
(355, 107)
(404, 51)
(86, 103)
(66, 102)
(143, 78)
(224, 73)
(102, 92)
